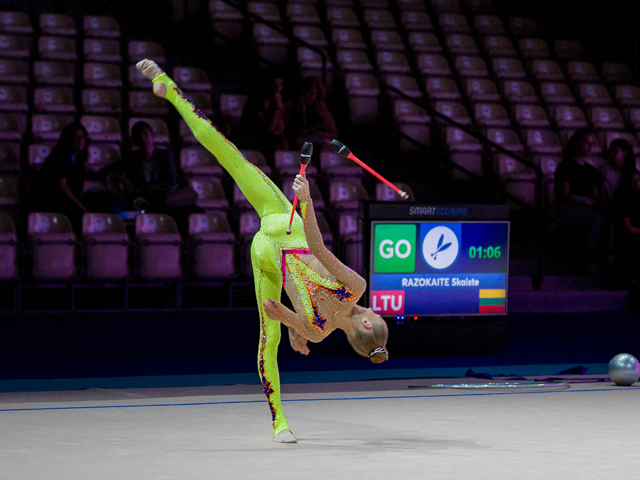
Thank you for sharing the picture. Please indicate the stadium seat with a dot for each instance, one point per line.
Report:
(226, 20)
(15, 23)
(446, 6)
(442, 88)
(202, 100)
(48, 126)
(374, 18)
(136, 79)
(14, 71)
(101, 50)
(468, 66)
(632, 116)
(310, 34)
(416, 21)
(303, 14)
(54, 73)
(342, 17)
(100, 27)
(569, 117)
(517, 179)
(459, 44)
(533, 48)
(139, 50)
(9, 157)
(13, 98)
(158, 125)
(212, 246)
(454, 110)
(582, 72)
(506, 138)
(375, 4)
(405, 83)
(257, 159)
(488, 25)
(348, 224)
(15, 46)
(568, 49)
(101, 101)
(102, 154)
(363, 92)
(594, 94)
(546, 70)
(191, 79)
(197, 161)
(107, 246)
(249, 225)
(393, 62)
(603, 118)
(271, 44)
(541, 142)
(57, 24)
(310, 65)
(411, 5)
(523, 27)
(481, 90)
(53, 100)
(453, 23)
(556, 93)
(384, 193)
(424, 42)
(13, 126)
(38, 153)
(353, 61)
(102, 129)
(333, 165)
(231, 105)
(627, 95)
(414, 122)
(499, 46)
(287, 163)
(491, 115)
(53, 246)
(434, 65)
(479, 6)
(465, 151)
(160, 246)
(8, 248)
(531, 116)
(519, 91)
(347, 196)
(508, 68)
(386, 40)
(144, 102)
(616, 73)
(210, 194)
(267, 12)
(57, 48)
(348, 39)
(102, 75)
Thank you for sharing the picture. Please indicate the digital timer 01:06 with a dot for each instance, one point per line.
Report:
(488, 252)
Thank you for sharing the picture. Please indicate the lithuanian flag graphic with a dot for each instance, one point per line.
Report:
(493, 301)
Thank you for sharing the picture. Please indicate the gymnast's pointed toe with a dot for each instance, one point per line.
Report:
(285, 436)
(149, 68)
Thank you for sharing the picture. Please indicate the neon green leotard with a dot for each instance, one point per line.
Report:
(276, 257)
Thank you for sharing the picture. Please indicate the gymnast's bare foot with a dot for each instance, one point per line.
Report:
(151, 70)
(286, 436)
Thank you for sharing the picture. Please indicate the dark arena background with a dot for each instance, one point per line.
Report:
(508, 279)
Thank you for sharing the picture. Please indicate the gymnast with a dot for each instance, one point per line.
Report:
(323, 291)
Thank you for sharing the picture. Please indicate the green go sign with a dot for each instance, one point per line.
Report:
(394, 248)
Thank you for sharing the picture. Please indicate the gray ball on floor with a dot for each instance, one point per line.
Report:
(624, 369)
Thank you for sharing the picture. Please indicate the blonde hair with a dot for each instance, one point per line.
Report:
(366, 341)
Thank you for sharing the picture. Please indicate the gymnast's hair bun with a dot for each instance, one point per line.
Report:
(378, 357)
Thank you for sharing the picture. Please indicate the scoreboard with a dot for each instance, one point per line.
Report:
(438, 260)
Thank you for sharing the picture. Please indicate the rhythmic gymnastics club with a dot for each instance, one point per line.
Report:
(305, 158)
(341, 149)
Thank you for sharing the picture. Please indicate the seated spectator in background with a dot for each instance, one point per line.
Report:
(150, 180)
(619, 157)
(308, 119)
(60, 184)
(577, 189)
(262, 123)
(626, 213)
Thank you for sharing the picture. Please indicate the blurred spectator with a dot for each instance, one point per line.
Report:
(619, 157)
(307, 118)
(150, 180)
(60, 184)
(626, 211)
(262, 122)
(577, 189)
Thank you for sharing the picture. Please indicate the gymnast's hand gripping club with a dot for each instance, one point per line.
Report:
(341, 149)
(305, 159)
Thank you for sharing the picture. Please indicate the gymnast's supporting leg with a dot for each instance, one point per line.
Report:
(261, 192)
(268, 285)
